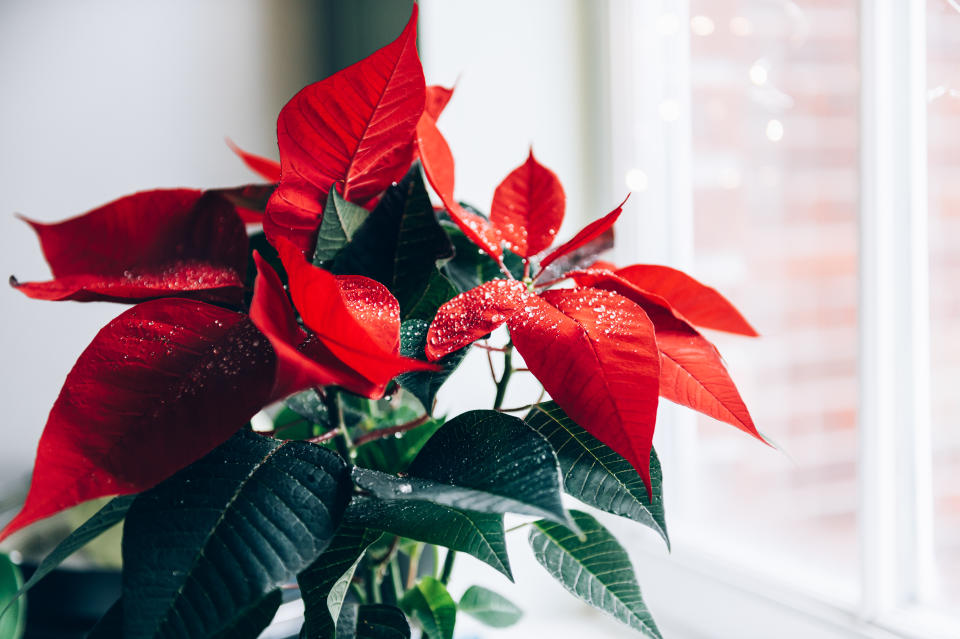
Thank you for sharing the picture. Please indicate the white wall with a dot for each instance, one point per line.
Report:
(100, 99)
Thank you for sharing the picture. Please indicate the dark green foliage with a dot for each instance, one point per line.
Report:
(104, 519)
(596, 475)
(341, 219)
(470, 266)
(424, 385)
(210, 542)
(372, 621)
(399, 245)
(594, 567)
(322, 584)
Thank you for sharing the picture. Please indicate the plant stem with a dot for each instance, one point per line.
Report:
(414, 566)
(517, 527)
(386, 432)
(447, 566)
(505, 378)
(395, 577)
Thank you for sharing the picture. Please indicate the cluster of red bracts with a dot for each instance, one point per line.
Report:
(178, 373)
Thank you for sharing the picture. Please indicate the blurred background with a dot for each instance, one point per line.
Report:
(802, 156)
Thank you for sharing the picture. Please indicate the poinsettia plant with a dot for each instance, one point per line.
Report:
(333, 301)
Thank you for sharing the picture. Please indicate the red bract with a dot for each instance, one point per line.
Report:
(471, 315)
(151, 244)
(264, 167)
(159, 387)
(528, 207)
(700, 304)
(591, 231)
(356, 128)
(593, 351)
(692, 371)
(355, 323)
(596, 354)
(437, 99)
(438, 166)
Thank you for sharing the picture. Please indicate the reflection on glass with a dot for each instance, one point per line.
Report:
(943, 80)
(775, 154)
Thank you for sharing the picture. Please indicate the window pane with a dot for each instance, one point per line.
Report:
(943, 77)
(775, 155)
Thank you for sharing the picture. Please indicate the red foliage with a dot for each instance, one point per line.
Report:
(355, 128)
(528, 207)
(151, 244)
(159, 387)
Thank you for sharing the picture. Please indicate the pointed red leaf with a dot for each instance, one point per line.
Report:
(151, 244)
(437, 99)
(528, 207)
(357, 319)
(472, 314)
(264, 167)
(159, 387)
(196, 280)
(587, 233)
(301, 362)
(595, 353)
(610, 281)
(700, 304)
(355, 127)
(438, 165)
(692, 373)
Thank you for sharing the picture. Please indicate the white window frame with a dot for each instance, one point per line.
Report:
(895, 487)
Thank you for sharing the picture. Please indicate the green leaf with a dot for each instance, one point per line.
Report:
(203, 546)
(394, 454)
(399, 243)
(489, 607)
(424, 302)
(104, 519)
(478, 534)
(470, 266)
(309, 405)
(489, 461)
(249, 623)
(110, 625)
(372, 621)
(596, 475)
(14, 617)
(431, 606)
(424, 385)
(324, 584)
(341, 219)
(595, 569)
(254, 619)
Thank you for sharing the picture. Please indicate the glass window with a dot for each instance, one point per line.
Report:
(775, 125)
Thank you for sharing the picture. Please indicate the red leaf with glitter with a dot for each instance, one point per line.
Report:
(595, 352)
(700, 304)
(302, 362)
(437, 99)
(159, 387)
(586, 234)
(528, 207)
(438, 165)
(692, 373)
(355, 318)
(151, 244)
(473, 314)
(355, 127)
(266, 168)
